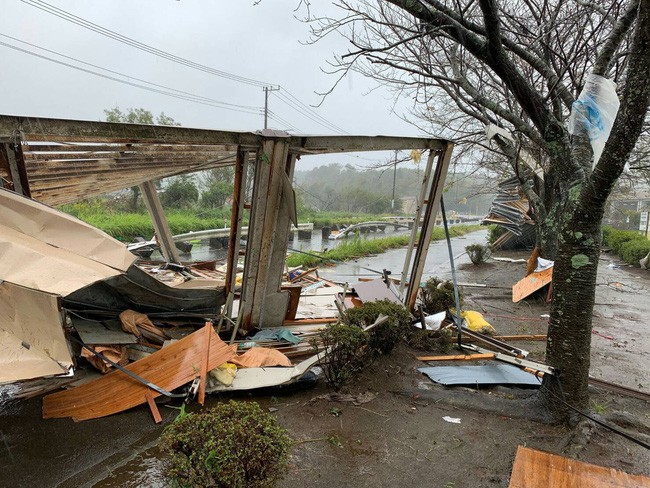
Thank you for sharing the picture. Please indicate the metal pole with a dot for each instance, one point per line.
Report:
(457, 318)
(392, 202)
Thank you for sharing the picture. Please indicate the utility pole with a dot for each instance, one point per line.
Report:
(267, 89)
(392, 202)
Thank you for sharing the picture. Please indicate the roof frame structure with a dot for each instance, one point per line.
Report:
(63, 161)
(59, 161)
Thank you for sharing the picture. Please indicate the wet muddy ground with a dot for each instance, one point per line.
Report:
(400, 437)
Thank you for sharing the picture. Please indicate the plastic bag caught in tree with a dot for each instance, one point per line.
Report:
(594, 112)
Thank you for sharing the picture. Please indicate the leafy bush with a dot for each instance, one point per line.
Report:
(494, 232)
(635, 250)
(383, 338)
(234, 445)
(348, 353)
(438, 295)
(478, 253)
(615, 238)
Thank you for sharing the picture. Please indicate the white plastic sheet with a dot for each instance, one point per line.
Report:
(595, 112)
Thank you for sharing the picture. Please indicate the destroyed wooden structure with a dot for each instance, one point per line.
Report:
(50, 261)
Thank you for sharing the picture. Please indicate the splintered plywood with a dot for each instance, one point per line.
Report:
(531, 283)
(169, 368)
(537, 469)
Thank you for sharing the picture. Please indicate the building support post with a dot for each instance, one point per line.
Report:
(11, 157)
(416, 220)
(160, 224)
(428, 223)
(236, 219)
(263, 303)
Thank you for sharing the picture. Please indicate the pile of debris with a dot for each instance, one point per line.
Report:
(511, 210)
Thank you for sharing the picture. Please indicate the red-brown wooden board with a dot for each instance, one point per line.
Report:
(169, 368)
(538, 469)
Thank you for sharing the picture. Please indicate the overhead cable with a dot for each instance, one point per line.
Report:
(153, 87)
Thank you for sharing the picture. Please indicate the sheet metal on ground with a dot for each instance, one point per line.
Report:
(490, 374)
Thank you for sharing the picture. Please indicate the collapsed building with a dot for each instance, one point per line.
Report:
(60, 276)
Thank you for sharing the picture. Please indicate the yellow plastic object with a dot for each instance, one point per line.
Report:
(476, 322)
(224, 374)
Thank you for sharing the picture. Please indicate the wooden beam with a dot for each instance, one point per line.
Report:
(155, 413)
(160, 224)
(457, 357)
(428, 223)
(236, 220)
(54, 130)
(13, 155)
(416, 221)
(263, 303)
(337, 144)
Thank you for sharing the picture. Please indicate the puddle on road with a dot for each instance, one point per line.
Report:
(147, 469)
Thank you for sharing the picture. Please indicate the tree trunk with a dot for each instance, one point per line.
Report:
(569, 332)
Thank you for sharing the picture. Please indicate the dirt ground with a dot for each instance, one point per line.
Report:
(399, 438)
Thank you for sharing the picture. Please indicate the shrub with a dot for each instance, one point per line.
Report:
(615, 238)
(234, 445)
(635, 250)
(438, 295)
(478, 253)
(383, 338)
(494, 232)
(348, 353)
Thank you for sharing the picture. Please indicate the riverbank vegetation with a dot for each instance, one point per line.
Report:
(357, 247)
(126, 225)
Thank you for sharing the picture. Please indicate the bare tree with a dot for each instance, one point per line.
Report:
(520, 65)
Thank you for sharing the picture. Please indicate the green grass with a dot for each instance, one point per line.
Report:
(357, 247)
(125, 226)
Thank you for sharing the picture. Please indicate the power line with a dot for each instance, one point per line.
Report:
(286, 123)
(172, 93)
(290, 100)
(312, 111)
(287, 101)
(65, 15)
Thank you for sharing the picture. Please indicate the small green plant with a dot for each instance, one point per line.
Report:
(478, 253)
(384, 337)
(348, 353)
(234, 445)
(494, 232)
(599, 408)
(438, 295)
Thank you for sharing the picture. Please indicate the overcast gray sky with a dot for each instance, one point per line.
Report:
(260, 42)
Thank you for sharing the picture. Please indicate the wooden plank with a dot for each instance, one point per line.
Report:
(204, 363)
(531, 283)
(428, 223)
(160, 224)
(153, 407)
(457, 357)
(538, 469)
(169, 368)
